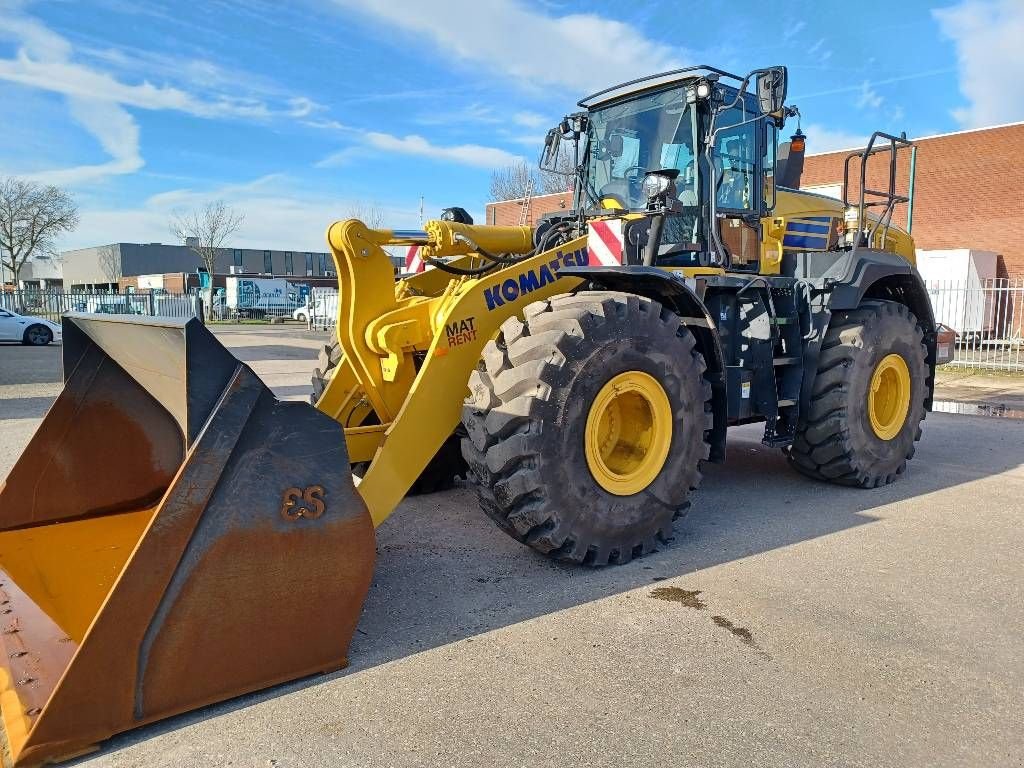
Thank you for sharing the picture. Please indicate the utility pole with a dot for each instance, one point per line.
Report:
(421, 210)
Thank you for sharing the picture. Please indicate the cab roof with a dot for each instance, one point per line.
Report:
(654, 81)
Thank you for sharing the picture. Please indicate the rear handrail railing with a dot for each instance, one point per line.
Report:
(886, 199)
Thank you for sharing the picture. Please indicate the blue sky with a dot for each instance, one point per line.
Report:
(296, 112)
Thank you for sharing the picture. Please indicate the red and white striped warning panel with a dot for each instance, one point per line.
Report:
(604, 242)
(413, 260)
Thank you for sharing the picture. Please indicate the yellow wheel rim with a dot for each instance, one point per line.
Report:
(628, 433)
(889, 396)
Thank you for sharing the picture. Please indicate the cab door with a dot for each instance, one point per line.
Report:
(738, 184)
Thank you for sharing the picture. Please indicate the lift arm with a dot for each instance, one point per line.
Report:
(410, 347)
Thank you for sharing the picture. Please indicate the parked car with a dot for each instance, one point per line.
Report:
(301, 314)
(34, 331)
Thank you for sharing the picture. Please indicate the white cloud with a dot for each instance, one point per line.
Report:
(328, 125)
(472, 113)
(579, 51)
(278, 214)
(97, 99)
(463, 154)
(342, 157)
(869, 98)
(79, 81)
(370, 142)
(988, 36)
(118, 134)
(530, 119)
(793, 30)
(821, 139)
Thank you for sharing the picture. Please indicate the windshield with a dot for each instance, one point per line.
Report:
(654, 132)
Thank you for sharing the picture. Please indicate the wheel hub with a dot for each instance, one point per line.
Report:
(628, 433)
(889, 396)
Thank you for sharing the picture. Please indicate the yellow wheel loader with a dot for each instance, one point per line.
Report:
(174, 536)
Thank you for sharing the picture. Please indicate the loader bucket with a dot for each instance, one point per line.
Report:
(172, 536)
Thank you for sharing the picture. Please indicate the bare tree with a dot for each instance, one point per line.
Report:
(370, 214)
(32, 217)
(520, 180)
(512, 182)
(553, 183)
(110, 262)
(206, 231)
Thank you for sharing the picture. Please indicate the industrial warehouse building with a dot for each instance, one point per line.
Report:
(968, 192)
(104, 267)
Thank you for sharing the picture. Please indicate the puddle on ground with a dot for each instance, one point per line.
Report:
(689, 598)
(997, 410)
(744, 634)
(685, 597)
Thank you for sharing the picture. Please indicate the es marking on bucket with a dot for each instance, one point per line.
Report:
(312, 506)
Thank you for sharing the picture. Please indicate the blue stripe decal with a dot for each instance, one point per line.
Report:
(820, 229)
(816, 218)
(804, 241)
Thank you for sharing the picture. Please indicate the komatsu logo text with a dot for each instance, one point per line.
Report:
(529, 281)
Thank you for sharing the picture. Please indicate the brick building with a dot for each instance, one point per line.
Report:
(510, 212)
(968, 191)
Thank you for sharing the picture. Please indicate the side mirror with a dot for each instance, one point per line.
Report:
(551, 150)
(771, 89)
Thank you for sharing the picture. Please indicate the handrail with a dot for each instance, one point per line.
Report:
(888, 198)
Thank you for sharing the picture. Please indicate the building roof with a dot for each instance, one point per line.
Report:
(926, 138)
(532, 197)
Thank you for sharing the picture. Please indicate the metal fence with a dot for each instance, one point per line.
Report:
(988, 318)
(987, 315)
(51, 305)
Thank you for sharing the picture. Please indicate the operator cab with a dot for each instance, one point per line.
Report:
(670, 154)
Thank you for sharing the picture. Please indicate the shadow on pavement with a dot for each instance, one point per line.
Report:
(445, 573)
(24, 407)
(266, 352)
(290, 391)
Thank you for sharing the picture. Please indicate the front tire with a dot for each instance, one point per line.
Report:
(37, 336)
(867, 403)
(587, 424)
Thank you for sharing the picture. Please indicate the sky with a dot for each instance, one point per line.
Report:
(297, 113)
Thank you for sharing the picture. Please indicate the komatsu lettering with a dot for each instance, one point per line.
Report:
(529, 281)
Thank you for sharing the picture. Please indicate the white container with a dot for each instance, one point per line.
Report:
(961, 284)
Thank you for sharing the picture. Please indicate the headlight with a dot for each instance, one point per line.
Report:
(703, 89)
(655, 184)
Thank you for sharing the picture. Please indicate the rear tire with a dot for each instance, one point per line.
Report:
(529, 419)
(837, 440)
(444, 470)
(37, 336)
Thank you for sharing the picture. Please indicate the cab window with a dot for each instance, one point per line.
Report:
(735, 158)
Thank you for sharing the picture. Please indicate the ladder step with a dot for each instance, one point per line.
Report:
(784, 320)
(786, 361)
(786, 403)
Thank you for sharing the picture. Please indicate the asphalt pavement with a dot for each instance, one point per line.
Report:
(790, 623)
